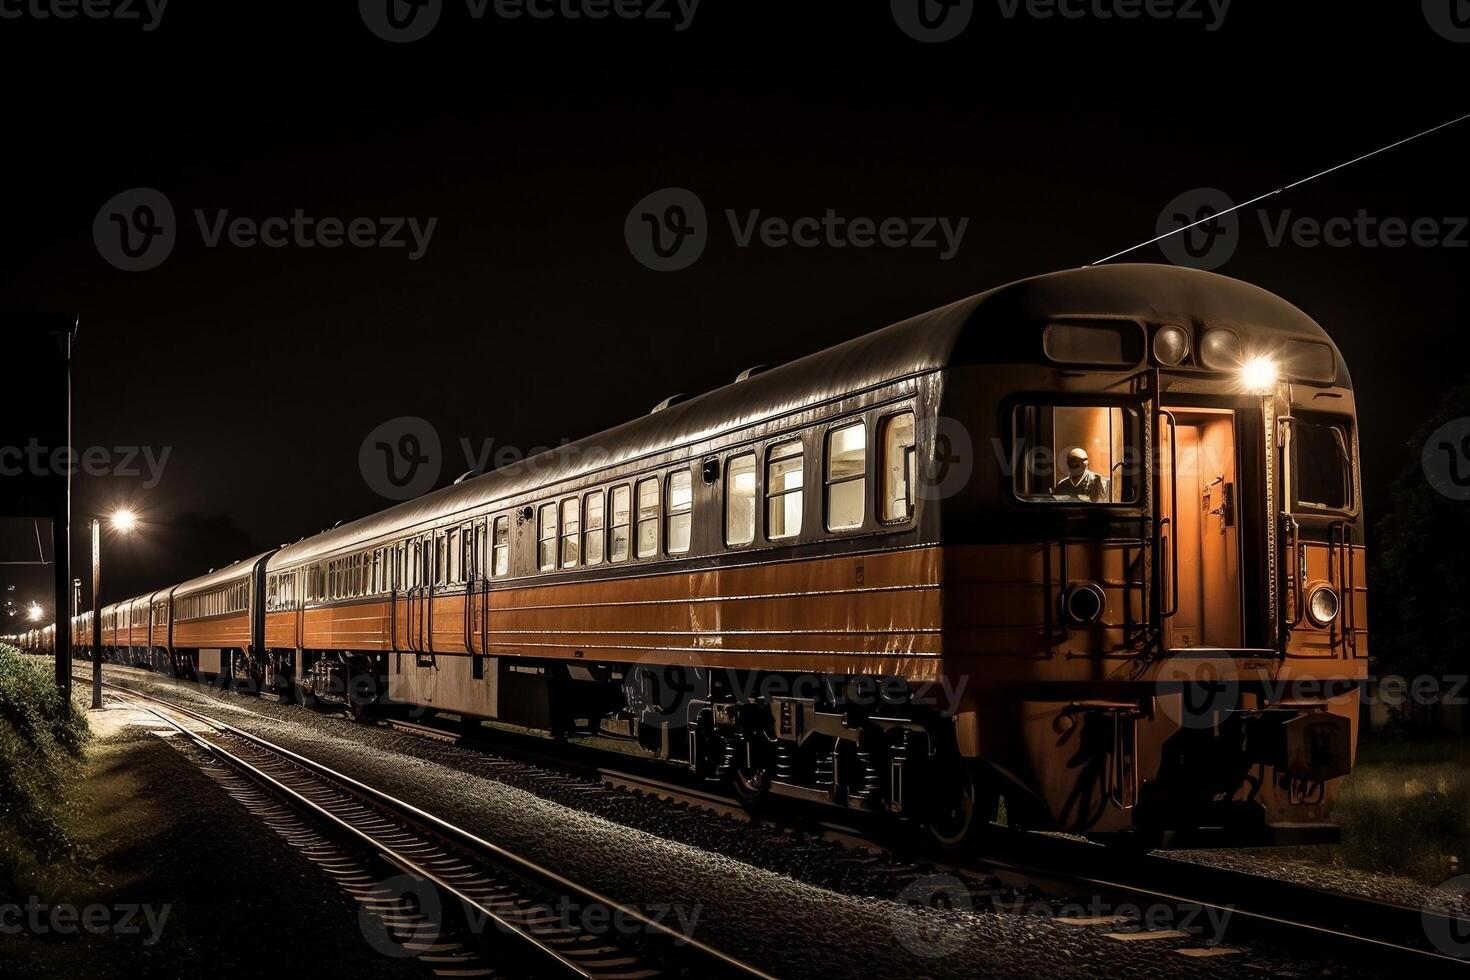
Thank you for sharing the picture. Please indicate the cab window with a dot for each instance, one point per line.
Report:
(1077, 454)
(1322, 473)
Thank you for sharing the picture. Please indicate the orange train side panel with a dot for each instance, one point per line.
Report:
(228, 630)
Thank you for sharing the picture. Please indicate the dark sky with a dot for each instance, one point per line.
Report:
(528, 321)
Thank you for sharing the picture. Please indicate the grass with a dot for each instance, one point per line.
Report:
(42, 738)
(1406, 809)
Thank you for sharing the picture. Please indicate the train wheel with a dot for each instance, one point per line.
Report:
(960, 809)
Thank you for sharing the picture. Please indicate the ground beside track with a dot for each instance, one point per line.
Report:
(152, 830)
(788, 903)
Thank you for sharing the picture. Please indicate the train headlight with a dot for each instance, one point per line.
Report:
(1084, 604)
(1171, 345)
(1323, 605)
(1219, 349)
(1258, 375)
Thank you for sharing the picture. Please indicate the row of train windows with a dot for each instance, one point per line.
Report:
(230, 599)
(626, 520)
(634, 519)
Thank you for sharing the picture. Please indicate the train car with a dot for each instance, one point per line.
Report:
(111, 614)
(219, 621)
(1084, 550)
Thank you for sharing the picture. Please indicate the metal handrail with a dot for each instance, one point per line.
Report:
(1172, 539)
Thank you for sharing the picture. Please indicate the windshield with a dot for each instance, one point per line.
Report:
(1077, 454)
(1322, 467)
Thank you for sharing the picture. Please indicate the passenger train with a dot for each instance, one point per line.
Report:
(1082, 552)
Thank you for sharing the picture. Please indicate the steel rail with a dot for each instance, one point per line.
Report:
(524, 867)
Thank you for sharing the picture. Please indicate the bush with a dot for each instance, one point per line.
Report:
(1406, 809)
(41, 741)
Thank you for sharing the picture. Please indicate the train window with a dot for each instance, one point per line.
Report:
(784, 490)
(546, 537)
(618, 542)
(647, 518)
(571, 532)
(1077, 454)
(453, 556)
(500, 547)
(592, 534)
(847, 477)
(740, 500)
(470, 550)
(900, 462)
(1322, 473)
(681, 512)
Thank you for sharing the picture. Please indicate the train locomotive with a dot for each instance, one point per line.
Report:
(1082, 552)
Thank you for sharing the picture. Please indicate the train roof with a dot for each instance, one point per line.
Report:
(1001, 325)
(232, 572)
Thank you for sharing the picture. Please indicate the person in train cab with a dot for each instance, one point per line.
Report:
(1080, 481)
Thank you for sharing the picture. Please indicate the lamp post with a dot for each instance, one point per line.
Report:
(122, 521)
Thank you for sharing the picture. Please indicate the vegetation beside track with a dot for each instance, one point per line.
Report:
(1406, 809)
(42, 738)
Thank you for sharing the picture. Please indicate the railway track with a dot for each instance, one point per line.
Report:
(511, 909)
(1353, 928)
(1256, 906)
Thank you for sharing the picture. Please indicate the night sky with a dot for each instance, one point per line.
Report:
(527, 320)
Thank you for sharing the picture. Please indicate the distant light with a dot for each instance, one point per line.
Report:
(124, 520)
(1258, 375)
(35, 612)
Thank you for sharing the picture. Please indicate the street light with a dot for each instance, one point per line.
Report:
(122, 521)
(35, 612)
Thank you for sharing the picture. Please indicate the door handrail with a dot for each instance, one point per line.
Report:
(1173, 539)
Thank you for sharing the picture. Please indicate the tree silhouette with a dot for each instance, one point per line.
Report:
(1420, 598)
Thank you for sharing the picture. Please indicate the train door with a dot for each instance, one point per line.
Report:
(418, 595)
(1200, 525)
(477, 586)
